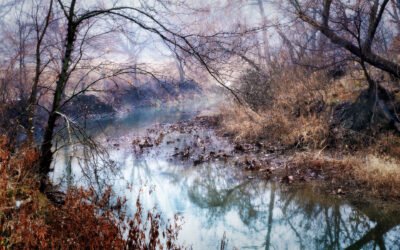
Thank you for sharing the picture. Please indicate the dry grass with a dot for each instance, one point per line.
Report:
(370, 174)
(299, 113)
(389, 144)
(381, 174)
(299, 116)
(274, 126)
(244, 123)
(293, 117)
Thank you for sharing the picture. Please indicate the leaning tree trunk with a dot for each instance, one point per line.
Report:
(46, 154)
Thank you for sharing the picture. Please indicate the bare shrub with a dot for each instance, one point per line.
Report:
(255, 89)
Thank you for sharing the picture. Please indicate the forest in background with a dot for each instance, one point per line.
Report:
(319, 79)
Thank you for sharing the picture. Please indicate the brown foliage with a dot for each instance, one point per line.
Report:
(85, 221)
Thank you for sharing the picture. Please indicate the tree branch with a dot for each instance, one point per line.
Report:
(369, 57)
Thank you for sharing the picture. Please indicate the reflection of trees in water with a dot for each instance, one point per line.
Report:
(139, 117)
(97, 169)
(314, 220)
(140, 171)
(270, 216)
(317, 221)
(87, 167)
(385, 222)
(325, 223)
(220, 193)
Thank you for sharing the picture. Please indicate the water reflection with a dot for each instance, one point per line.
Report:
(89, 165)
(139, 118)
(259, 215)
(213, 198)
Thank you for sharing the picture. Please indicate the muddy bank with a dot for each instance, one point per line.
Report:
(205, 141)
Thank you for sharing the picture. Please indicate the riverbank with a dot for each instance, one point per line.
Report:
(188, 165)
(359, 177)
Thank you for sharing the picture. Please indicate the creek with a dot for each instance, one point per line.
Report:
(215, 198)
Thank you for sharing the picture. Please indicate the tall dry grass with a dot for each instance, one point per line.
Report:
(299, 112)
(294, 116)
(273, 126)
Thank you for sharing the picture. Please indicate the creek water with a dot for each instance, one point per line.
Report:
(215, 199)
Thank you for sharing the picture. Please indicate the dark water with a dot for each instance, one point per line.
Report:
(215, 199)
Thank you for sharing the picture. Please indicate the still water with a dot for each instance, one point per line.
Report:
(214, 198)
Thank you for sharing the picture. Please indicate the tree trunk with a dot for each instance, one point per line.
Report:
(364, 53)
(267, 56)
(181, 71)
(32, 98)
(46, 153)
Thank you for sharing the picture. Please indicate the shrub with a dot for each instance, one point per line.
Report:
(255, 89)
